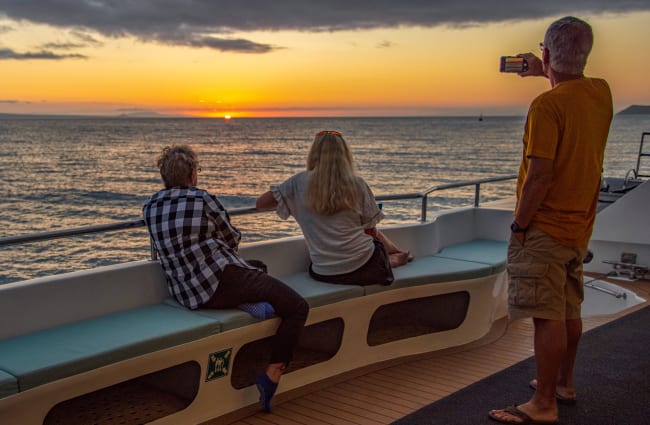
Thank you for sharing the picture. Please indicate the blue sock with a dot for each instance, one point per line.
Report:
(267, 388)
(261, 310)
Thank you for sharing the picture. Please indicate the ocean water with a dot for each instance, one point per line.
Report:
(65, 173)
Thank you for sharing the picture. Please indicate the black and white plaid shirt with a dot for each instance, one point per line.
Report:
(194, 238)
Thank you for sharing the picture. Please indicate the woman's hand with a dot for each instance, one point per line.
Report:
(266, 201)
(372, 232)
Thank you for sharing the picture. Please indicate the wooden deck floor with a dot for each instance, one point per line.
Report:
(385, 395)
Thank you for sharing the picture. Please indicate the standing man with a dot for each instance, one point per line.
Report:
(557, 195)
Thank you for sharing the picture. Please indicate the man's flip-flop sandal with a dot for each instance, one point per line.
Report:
(518, 417)
(568, 401)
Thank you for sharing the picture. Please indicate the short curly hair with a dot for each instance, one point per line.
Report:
(176, 164)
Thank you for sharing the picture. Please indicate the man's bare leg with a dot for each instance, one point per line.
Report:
(550, 350)
(565, 384)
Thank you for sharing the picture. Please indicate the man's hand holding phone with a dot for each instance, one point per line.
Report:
(523, 64)
(535, 68)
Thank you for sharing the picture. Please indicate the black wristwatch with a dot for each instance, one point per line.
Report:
(515, 228)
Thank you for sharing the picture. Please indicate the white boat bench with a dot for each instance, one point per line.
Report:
(65, 349)
(69, 340)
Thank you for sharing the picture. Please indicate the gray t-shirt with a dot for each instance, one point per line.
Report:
(337, 243)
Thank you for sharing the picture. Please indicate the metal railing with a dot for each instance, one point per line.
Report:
(642, 154)
(64, 233)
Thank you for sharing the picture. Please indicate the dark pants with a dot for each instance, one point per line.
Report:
(238, 285)
(376, 271)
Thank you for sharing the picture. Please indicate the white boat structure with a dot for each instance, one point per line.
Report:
(111, 342)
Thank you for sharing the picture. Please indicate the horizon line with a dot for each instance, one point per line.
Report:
(155, 115)
(163, 116)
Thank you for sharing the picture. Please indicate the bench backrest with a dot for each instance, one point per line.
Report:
(450, 228)
(51, 301)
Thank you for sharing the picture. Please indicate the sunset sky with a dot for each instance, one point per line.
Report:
(298, 57)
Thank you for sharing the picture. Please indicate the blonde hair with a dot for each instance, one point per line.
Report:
(569, 41)
(333, 185)
(176, 164)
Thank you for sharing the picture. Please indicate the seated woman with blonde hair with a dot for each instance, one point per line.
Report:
(338, 215)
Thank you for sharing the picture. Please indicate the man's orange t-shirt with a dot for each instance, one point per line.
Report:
(569, 124)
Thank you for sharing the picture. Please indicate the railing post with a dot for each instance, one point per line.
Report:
(477, 194)
(154, 253)
(423, 210)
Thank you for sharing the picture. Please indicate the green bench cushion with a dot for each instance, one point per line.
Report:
(228, 318)
(425, 270)
(8, 384)
(467, 260)
(320, 293)
(484, 251)
(51, 354)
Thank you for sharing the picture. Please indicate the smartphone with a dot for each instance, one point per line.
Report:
(513, 64)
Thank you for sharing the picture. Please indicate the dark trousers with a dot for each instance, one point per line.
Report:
(376, 271)
(238, 285)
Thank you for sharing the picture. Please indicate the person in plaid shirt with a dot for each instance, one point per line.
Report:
(197, 246)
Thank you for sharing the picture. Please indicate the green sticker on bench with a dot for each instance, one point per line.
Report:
(218, 364)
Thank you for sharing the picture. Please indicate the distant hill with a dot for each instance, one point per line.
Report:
(137, 114)
(142, 114)
(635, 110)
(4, 116)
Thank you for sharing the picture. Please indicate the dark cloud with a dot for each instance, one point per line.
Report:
(63, 46)
(204, 23)
(9, 101)
(85, 38)
(235, 45)
(7, 54)
(216, 43)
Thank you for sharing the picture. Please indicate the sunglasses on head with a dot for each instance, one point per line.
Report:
(333, 133)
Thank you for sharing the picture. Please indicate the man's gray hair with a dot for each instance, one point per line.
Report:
(569, 41)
